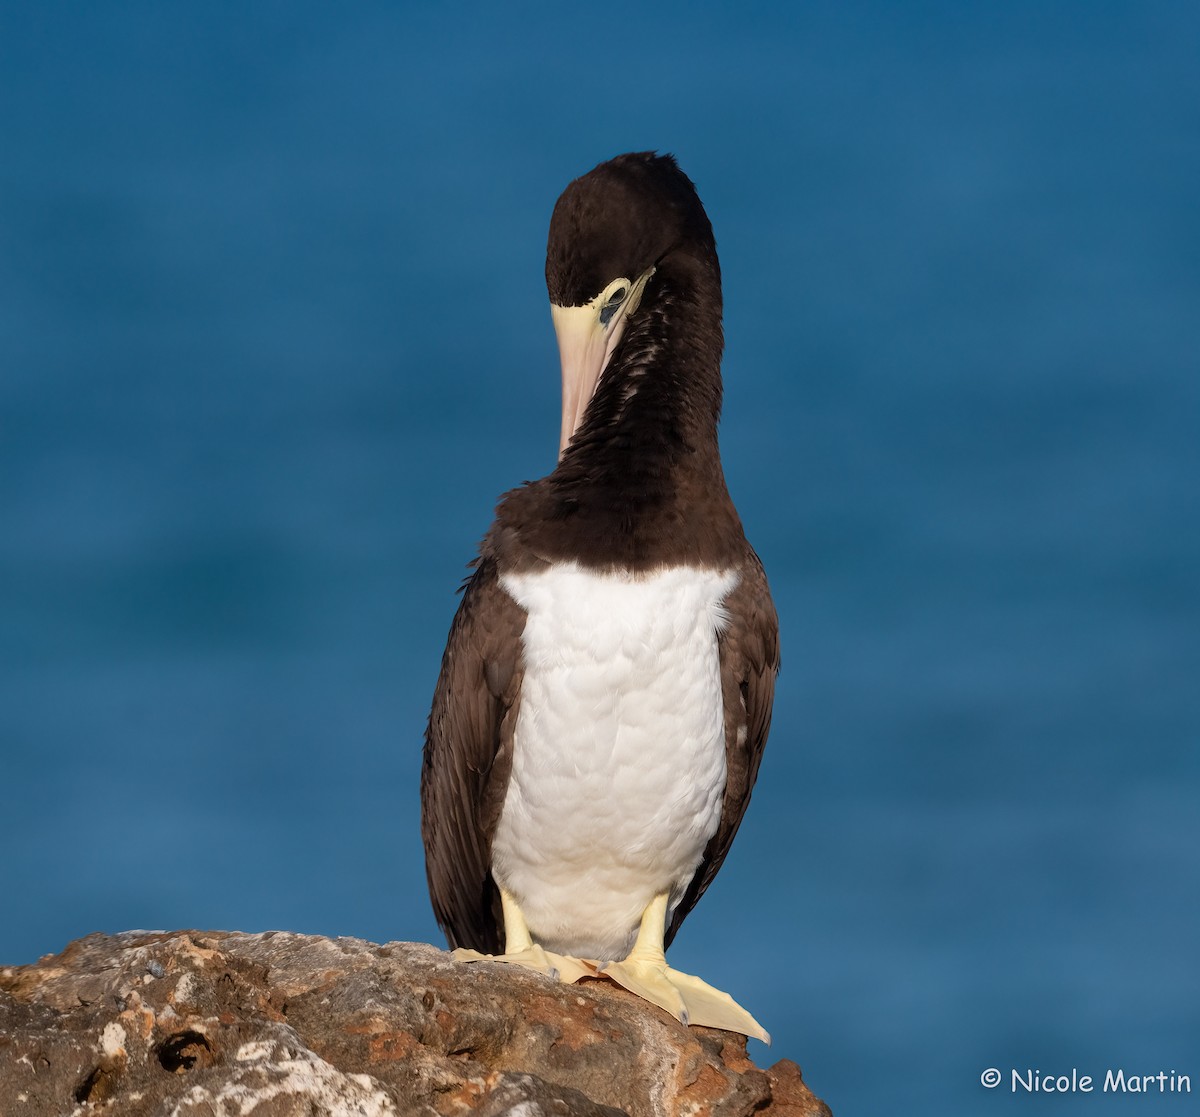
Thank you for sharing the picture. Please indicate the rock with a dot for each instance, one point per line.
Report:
(192, 1024)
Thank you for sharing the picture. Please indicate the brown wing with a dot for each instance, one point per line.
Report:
(749, 663)
(468, 758)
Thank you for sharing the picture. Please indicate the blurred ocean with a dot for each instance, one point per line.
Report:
(274, 336)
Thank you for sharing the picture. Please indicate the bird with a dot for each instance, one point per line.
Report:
(606, 690)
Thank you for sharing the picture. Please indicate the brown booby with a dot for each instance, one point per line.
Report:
(606, 690)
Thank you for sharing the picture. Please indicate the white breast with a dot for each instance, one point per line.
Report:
(619, 754)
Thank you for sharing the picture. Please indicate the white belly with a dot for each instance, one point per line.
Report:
(619, 755)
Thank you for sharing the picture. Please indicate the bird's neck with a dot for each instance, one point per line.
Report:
(641, 484)
(657, 404)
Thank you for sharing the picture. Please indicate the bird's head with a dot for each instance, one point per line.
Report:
(611, 230)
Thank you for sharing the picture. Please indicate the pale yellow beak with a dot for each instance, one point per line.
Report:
(585, 345)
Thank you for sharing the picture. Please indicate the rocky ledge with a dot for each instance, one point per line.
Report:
(216, 1024)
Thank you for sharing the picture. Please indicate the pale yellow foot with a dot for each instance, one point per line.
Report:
(521, 950)
(561, 967)
(687, 998)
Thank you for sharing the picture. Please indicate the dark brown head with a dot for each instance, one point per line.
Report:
(622, 219)
(611, 229)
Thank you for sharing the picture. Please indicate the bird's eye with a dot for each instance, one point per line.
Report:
(612, 303)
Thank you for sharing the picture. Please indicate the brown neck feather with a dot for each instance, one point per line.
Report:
(641, 484)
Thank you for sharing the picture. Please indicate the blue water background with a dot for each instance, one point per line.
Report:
(273, 337)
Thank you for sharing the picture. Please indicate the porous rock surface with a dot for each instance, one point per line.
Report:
(220, 1024)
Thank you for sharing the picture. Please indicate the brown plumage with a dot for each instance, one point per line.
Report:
(639, 488)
